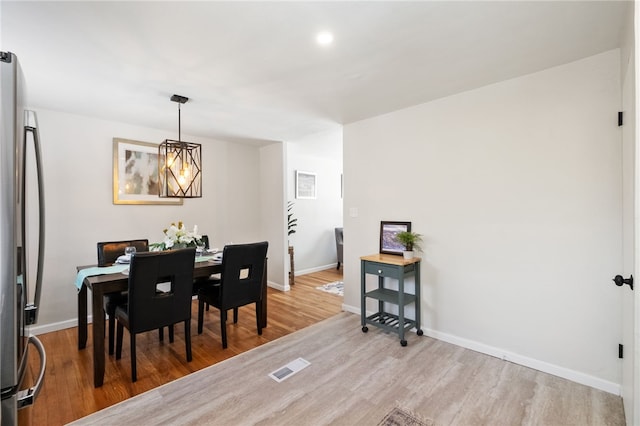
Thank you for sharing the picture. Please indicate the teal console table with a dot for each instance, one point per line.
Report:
(396, 267)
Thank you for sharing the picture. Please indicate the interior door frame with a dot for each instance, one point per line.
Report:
(633, 418)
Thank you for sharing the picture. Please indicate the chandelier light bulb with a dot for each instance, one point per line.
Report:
(170, 159)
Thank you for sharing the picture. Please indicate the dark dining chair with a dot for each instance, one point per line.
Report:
(148, 309)
(211, 280)
(241, 282)
(108, 253)
(205, 241)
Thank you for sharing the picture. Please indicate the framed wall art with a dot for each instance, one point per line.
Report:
(388, 231)
(305, 185)
(135, 173)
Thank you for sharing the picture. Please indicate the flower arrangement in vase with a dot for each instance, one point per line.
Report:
(177, 236)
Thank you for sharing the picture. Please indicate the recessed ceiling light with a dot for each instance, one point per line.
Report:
(324, 38)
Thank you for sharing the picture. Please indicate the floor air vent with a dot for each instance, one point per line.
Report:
(289, 370)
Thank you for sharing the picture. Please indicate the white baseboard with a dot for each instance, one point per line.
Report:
(545, 367)
(285, 287)
(55, 326)
(315, 269)
(352, 309)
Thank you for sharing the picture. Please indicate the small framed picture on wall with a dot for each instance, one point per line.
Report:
(305, 185)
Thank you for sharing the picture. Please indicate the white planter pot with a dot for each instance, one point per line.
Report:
(408, 254)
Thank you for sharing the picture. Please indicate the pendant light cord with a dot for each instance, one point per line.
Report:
(179, 138)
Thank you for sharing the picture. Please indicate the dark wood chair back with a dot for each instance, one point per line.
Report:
(108, 251)
(241, 283)
(205, 240)
(242, 272)
(149, 309)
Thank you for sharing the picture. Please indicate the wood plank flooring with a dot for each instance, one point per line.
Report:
(356, 378)
(68, 393)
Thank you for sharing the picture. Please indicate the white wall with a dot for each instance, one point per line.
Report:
(516, 187)
(314, 240)
(273, 206)
(77, 155)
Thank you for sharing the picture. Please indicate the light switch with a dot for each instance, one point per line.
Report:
(353, 212)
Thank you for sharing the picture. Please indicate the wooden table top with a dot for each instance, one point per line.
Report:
(390, 259)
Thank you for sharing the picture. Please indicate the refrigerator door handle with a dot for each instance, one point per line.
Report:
(27, 397)
(31, 126)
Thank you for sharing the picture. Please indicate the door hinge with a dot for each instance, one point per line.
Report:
(620, 350)
(620, 118)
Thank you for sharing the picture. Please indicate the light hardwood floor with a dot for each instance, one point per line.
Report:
(68, 393)
(356, 378)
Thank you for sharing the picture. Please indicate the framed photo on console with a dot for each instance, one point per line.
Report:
(388, 232)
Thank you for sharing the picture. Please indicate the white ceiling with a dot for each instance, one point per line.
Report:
(254, 72)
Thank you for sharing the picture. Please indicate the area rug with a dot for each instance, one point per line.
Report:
(336, 288)
(400, 417)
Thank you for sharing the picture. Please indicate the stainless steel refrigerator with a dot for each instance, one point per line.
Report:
(21, 222)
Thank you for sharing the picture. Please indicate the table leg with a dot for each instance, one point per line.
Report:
(380, 302)
(98, 338)
(263, 317)
(363, 299)
(403, 342)
(82, 317)
(417, 292)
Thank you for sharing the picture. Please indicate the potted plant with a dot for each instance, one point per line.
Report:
(411, 241)
(292, 222)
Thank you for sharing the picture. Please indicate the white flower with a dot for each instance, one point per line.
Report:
(178, 234)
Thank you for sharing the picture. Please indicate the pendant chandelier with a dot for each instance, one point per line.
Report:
(180, 165)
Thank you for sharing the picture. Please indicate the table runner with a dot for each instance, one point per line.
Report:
(98, 270)
(103, 270)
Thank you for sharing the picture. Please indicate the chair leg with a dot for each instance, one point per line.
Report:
(170, 333)
(338, 267)
(161, 334)
(119, 341)
(223, 327)
(187, 338)
(200, 315)
(134, 370)
(258, 316)
(112, 330)
(235, 315)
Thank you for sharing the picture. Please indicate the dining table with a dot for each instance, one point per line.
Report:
(106, 280)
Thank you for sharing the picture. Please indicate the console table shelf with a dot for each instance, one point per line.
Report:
(390, 266)
(390, 296)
